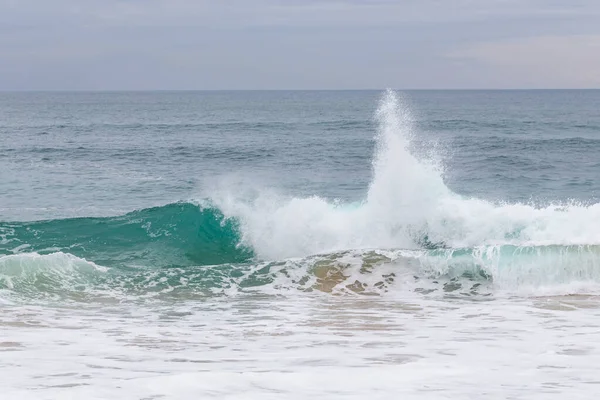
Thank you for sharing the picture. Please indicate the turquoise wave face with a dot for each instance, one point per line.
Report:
(174, 235)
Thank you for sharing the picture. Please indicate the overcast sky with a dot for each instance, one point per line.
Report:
(298, 44)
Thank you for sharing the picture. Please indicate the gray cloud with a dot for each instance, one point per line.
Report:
(277, 44)
(567, 61)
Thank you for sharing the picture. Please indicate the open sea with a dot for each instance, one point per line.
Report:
(294, 245)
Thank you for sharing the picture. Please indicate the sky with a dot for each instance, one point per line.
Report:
(298, 44)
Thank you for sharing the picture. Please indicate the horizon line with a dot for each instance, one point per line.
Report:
(279, 90)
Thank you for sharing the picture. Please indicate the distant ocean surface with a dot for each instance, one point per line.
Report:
(339, 244)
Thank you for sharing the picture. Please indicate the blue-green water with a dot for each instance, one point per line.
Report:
(185, 180)
(82, 154)
(268, 245)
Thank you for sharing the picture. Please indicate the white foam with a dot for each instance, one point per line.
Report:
(40, 275)
(15, 264)
(407, 198)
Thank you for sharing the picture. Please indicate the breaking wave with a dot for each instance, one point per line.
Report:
(411, 232)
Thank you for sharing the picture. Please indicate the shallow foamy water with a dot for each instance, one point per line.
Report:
(296, 346)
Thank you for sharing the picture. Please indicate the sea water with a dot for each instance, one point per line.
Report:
(246, 245)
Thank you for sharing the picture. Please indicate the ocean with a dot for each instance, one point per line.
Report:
(297, 244)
